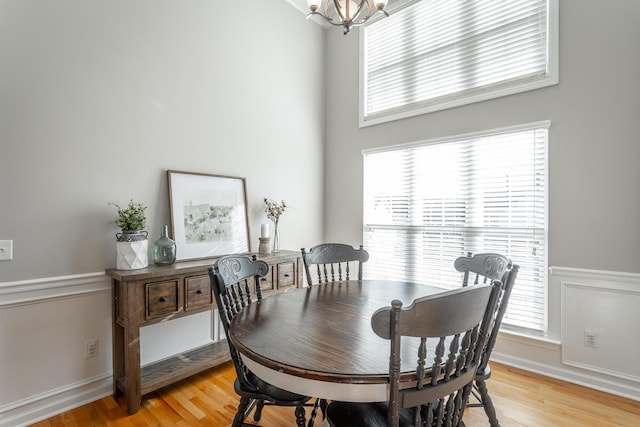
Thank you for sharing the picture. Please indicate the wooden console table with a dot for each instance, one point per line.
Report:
(154, 294)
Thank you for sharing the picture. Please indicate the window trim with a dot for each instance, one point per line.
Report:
(551, 78)
(469, 135)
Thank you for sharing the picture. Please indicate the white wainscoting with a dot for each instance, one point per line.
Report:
(44, 325)
(606, 307)
(562, 354)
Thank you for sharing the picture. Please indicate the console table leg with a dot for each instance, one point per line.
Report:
(133, 388)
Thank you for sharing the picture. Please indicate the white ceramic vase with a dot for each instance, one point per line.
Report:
(132, 250)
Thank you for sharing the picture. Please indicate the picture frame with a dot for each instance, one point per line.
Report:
(209, 214)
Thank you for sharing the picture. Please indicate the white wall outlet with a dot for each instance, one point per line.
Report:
(6, 250)
(590, 338)
(90, 349)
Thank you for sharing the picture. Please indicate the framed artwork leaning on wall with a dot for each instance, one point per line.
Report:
(209, 214)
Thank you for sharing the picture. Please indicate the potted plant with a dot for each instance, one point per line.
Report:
(132, 217)
(132, 244)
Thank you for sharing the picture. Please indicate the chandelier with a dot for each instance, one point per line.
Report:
(346, 13)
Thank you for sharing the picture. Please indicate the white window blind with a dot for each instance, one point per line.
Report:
(427, 204)
(437, 54)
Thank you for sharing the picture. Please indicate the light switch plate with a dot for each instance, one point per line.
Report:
(6, 250)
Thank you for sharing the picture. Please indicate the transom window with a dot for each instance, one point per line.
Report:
(428, 203)
(436, 54)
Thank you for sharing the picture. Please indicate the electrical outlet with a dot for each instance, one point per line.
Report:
(590, 338)
(90, 349)
(6, 250)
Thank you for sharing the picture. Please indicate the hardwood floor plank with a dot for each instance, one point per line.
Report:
(522, 399)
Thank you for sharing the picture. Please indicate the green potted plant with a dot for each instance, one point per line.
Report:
(131, 217)
(131, 244)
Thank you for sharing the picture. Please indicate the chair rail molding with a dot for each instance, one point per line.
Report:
(619, 276)
(13, 294)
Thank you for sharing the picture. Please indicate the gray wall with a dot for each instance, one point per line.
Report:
(594, 195)
(99, 98)
(594, 142)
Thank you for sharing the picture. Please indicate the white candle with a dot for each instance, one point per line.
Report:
(264, 230)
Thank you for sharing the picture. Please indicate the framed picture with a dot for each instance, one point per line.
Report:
(209, 214)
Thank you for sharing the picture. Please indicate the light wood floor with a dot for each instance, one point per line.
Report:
(208, 399)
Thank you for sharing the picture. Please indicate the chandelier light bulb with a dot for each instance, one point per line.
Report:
(314, 5)
(380, 4)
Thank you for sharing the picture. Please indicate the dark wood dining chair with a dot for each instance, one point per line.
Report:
(333, 261)
(235, 281)
(451, 329)
(482, 268)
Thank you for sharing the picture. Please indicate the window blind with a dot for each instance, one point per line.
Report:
(437, 54)
(427, 204)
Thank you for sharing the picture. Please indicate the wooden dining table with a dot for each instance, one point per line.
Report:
(317, 341)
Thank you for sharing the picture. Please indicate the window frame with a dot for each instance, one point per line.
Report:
(427, 106)
(543, 268)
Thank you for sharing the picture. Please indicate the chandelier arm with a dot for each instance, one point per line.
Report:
(364, 20)
(329, 20)
(368, 8)
(336, 5)
(326, 18)
(360, 8)
(353, 21)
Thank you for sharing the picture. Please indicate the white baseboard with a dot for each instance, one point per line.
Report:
(572, 376)
(43, 406)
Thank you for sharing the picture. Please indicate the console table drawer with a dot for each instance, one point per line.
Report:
(286, 274)
(162, 299)
(266, 282)
(198, 292)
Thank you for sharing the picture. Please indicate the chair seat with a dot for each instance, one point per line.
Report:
(268, 392)
(483, 374)
(344, 414)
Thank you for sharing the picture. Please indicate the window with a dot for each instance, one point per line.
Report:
(432, 55)
(427, 204)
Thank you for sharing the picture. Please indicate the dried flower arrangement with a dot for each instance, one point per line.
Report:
(274, 210)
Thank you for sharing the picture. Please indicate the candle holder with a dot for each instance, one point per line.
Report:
(264, 247)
